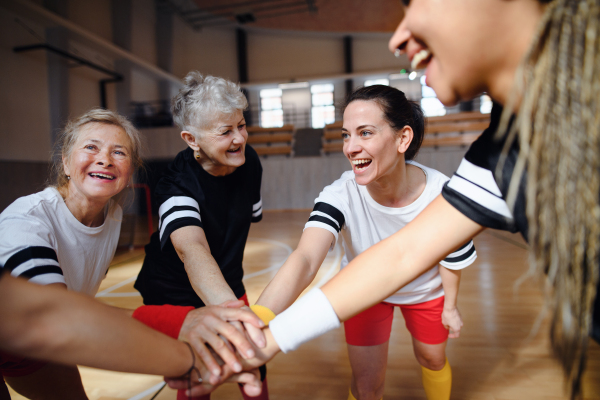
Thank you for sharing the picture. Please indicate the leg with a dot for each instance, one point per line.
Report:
(424, 321)
(367, 336)
(368, 370)
(51, 382)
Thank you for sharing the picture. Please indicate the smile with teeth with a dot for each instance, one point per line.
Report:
(419, 59)
(234, 150)
(101, 176)
(361, 164)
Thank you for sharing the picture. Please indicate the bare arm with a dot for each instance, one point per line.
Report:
(299, 270)
(202, 269)
(392, 263)
(66, 327)
(451, 317)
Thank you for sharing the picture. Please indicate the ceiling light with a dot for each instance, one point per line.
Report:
(412, 75)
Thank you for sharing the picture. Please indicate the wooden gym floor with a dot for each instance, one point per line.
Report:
(497, 357)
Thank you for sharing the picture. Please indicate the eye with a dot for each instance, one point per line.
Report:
(227, 132)
(365, 133)
(120, 153)
(242, 126)
(345, 135)
(406, 3)
(90, 147)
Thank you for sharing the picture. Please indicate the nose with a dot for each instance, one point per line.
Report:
(104, 158)
(400, 37)
(352, 146)
(240, 136)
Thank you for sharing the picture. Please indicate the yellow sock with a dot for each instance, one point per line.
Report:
(351, 396)
(437, 384)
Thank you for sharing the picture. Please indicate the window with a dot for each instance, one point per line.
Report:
(371, 82)
(271, 110)
(485, 106)
(432, 107)
(323, 110)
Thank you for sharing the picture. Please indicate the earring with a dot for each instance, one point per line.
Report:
(397, 53)
(68, 177)
(197, 156)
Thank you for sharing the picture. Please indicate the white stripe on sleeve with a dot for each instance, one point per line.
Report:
(32, 263)
(177, 215)
(480, 196)
(47, 279)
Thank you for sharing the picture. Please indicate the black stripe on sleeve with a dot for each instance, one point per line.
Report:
(332, 212)
(175, 209)
(258, 217)
(462, 257)
(41, 270)
(324, 220)
(30, 253)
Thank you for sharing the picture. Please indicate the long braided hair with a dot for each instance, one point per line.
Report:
(558, 125)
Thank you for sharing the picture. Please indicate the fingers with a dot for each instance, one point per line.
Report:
(205, 355)
(250, 381)
(256, 334)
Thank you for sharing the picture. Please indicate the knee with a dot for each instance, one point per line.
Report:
(432, 362)
(368, 390)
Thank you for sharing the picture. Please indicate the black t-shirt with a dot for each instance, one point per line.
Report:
(223, 206)
(475, 192)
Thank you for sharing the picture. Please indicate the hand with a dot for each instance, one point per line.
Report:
(209, 325)
(249, 380)
(452, 320)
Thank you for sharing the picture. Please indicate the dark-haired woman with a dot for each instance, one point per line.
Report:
(385, 190)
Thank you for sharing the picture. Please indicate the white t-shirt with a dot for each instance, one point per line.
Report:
(346, 208)
(42, 241)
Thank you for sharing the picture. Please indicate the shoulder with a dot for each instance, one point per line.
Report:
(35, 207)
(252, 158)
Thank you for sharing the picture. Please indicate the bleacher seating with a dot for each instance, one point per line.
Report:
(459, 129)
(271, 141)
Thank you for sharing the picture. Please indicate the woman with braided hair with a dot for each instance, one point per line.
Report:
(536, 169)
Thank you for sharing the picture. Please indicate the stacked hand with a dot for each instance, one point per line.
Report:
(227, 338)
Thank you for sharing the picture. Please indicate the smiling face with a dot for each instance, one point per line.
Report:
(100, 164)
(467, 46)
(222, 147)
(373, 148)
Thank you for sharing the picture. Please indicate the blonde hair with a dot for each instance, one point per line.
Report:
(203, 99)
(558, 125)
(69, 136)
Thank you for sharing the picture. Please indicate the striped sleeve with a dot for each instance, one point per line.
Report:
(177, 212)
(327, 217)
(27, 252)
(461, 258)
(257, 211)
(38, 264)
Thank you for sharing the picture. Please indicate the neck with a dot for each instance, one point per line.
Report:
(210, 166)
(89, 212)
(519, 35)
(399, 188)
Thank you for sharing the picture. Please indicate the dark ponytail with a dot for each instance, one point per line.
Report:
(397, 110)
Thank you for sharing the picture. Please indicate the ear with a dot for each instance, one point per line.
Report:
(190, 139)
(404, 139)
(66, 166)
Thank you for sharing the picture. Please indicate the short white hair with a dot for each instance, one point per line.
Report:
(204, 99)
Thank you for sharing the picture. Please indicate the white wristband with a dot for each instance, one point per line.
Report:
(306, 319)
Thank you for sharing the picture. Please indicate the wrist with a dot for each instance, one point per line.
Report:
(264, 313)
(166, 319)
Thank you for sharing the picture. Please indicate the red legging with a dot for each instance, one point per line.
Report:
(264, 395)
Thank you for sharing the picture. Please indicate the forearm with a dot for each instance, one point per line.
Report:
(451, 283)
(289, 282)
(70, 328)
(206, 276)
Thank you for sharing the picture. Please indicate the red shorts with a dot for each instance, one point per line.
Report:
(373, 326)
(11, 365)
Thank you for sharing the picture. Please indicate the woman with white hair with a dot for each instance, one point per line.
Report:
(208, 197)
